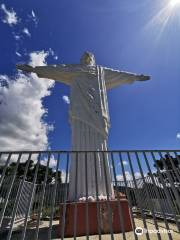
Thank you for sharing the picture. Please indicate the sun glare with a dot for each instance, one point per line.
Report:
(164, 17)
(174, 3)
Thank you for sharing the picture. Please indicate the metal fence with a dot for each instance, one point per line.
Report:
(34, 199)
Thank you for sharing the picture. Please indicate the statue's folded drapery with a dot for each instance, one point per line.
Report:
(89, 119)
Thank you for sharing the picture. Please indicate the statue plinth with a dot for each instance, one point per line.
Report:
(78, 211)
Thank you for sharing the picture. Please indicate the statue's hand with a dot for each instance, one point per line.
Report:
(25, 68)
(143, 78)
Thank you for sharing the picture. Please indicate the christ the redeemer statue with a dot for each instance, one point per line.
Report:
(89, 118)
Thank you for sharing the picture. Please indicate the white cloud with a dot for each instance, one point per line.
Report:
(26, 31)
(33, 14)
(38, 58)
(18, 54)
(66, 99)
(128, 176)
(178, 135)
(21, 121)
(63, 176)
(138, 175)
(50, 128)
(17, 37)
(51, 51)
(52, 163)
(34, 17)
(10, 16)
(121, 178)
(125, 163)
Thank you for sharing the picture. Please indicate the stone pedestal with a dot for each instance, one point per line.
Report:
(81, 222)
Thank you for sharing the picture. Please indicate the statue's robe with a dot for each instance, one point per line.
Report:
(90, 123)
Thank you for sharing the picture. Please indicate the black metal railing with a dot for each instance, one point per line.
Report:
(34, 190)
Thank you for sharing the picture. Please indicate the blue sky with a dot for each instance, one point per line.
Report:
(140, 36)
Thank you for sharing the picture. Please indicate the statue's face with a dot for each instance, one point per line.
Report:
(88, 59)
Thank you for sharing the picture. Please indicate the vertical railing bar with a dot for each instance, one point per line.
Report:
(19, 192)
(108, 200)
(65, 198)
(132, 192)
(9, 190)
(173, 166)
(152, 210)
(3, 189)
(151, 192)
(178, 158)
(147, 202)
(38, 195)
(171, 193)
(137, 195)
(87, 211)
(128, 195)
(30, 198)
(42, 197)
(53, 199)
(97, 197)
(163, 196)
(167, 195)
(4, 168)
(171, 180)
(33, 207)
(75, 202)
(173, 197)
(121, 218)
(5, 186)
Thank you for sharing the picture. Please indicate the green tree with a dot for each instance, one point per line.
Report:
(168, 165)
(31, 172)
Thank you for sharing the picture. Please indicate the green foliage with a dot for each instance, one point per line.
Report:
(169, 166)
(31, 172)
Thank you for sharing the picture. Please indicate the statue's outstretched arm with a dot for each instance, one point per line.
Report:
(114, 78)
(61, 73)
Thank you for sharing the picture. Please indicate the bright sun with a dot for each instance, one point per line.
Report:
(174, 3)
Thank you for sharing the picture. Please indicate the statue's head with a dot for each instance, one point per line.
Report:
(88, 59)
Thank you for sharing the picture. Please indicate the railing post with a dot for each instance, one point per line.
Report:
(30, 201)
(120, 210)
(9, 190)
(65, 198)
(53, 199)
(137, 195)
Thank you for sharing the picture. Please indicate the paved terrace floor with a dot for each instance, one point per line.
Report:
(44, 225)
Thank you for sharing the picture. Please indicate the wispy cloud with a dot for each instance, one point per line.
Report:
(22, 124)
(128, 176)
(66, 99)
(124, 163)
(18, 54)
(52, 162)
(34, 17)
(33, 14)
(26, 31)
(17, 37)
(10, 16)
(53, 53)
(121, 178)
(178, 135)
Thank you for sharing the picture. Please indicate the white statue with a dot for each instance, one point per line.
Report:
(89, 119)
